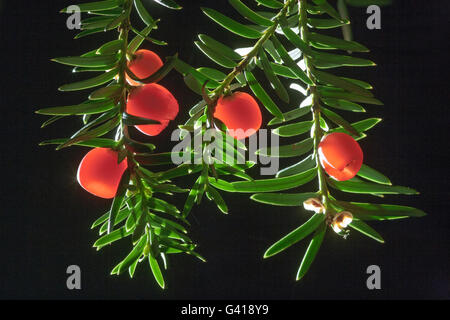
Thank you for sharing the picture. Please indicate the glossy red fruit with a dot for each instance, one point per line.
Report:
(340, 155)
(240, 113)
(152, 101)
(100, 174)
(144, 64)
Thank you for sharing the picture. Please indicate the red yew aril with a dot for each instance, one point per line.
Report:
(240, 113)
(144, 64)
(152, 101)
(99, 172)
(340, 155)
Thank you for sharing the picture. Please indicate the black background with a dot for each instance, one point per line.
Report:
(45, 216)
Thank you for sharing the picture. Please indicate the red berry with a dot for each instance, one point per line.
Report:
(340, 155)
(100, 174)
(144, 64)
(240, 113)
(152, 101)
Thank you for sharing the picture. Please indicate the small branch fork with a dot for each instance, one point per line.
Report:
(212, 98)
(268, 33)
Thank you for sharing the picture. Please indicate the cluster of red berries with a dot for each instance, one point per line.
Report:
(150, 101)
(239, 111)
(99, 172)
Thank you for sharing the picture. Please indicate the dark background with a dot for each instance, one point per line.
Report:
(45, 216)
